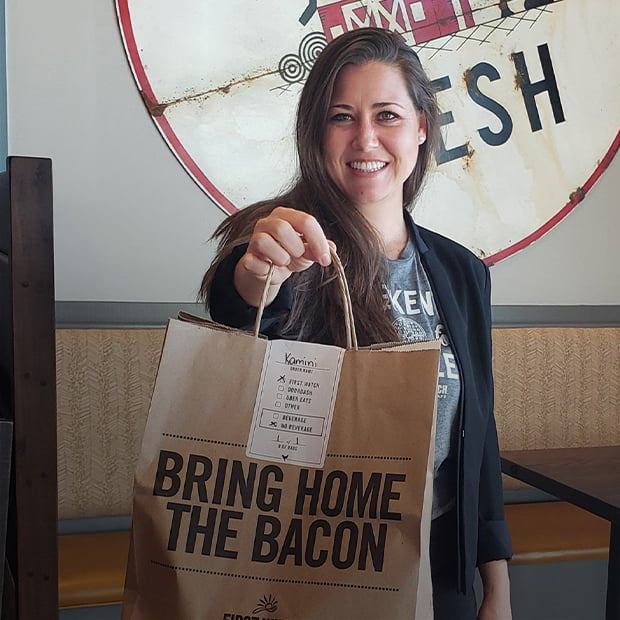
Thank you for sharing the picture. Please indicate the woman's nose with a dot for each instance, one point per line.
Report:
(365, 136)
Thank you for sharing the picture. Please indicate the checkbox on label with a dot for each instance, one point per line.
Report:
(278, 404)
(280, 388)
(279, 396)
(276, 416)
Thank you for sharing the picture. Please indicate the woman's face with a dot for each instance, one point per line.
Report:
(372, 136)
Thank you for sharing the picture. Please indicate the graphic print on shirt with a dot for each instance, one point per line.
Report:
(409, 298)
(415, 319)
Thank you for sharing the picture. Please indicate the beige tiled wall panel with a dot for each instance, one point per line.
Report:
(105, 380)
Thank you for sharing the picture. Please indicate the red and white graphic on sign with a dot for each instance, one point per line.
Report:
(425, 20)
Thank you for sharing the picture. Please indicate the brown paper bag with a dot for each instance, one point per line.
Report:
(219, 536)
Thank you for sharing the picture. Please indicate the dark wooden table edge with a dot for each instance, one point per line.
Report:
(558, 489)
(593, 505)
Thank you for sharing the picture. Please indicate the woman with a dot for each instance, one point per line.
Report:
(367, 125)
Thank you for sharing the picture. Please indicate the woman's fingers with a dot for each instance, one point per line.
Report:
(297, 233)
(270, 248)
(258, 268)
(255, 265)
(290, 240)
(316, 247)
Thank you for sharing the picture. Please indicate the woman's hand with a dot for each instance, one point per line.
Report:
(289, 239)
(496, 586)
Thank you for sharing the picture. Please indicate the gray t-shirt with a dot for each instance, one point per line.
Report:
(410, 299)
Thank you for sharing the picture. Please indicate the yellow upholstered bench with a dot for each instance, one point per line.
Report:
(556, 532)
(91, 569)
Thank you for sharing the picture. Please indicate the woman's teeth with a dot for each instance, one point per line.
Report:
(367, 166)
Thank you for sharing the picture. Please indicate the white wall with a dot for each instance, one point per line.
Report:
(130, 224)
(577, 262)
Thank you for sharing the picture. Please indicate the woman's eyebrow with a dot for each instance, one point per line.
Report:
(379, 104)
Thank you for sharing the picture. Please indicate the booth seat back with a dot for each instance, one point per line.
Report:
(105, 378)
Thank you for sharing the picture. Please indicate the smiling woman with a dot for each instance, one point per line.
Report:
(329, 199)
(371, 141)
(367, 124)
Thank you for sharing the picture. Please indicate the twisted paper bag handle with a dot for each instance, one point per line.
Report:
(344, 291)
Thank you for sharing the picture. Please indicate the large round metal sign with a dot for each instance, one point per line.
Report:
(528, 88)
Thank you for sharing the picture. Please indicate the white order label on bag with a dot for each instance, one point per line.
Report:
(295, 403)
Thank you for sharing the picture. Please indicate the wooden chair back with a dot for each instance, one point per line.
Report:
(28, 390)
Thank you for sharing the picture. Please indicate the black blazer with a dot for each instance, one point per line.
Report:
(461, 286)
(462, 291)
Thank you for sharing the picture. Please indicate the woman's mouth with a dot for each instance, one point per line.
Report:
(367, 166)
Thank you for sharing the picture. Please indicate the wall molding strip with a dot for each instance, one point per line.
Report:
(556, 316)
(120, 314)
(130, 314)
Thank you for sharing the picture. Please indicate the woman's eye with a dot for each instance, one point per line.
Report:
(341, 116)
(387, 115)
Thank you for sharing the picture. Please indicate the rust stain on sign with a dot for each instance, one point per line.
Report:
(467, 77)
(157, 108)
(468, 158)
(519, 78)
(577, 195)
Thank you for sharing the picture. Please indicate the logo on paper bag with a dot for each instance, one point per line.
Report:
(267, 603)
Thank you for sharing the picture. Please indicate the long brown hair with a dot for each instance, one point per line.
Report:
(316, 314)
